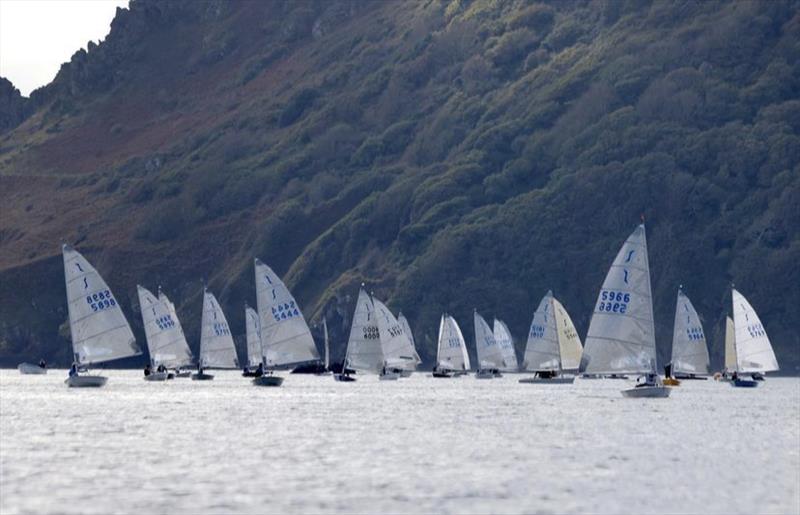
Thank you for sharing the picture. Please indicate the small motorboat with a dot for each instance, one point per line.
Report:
(31, 369)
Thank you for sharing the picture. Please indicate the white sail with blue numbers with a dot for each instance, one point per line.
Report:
(553, 343)
(253, 337)
(166, 342)
(364, 351)
(285, 336)
(99, 330)
(407, 328)
(490, 355)
(452, 349)
(503, 338)
(689, 349)
(753, 349)
(398, 351)
(216, 343)
(621, 337)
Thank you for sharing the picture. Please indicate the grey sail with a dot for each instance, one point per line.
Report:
(216, 342)
(398, 351)
(165, 340)
(689, 348)
(364, 350)
(490, 355)
(253, 337)
(99, 330)
(451, 351)
(753, 349)
(542, 350)
(621, 336)
(502, 337)
(407, 328)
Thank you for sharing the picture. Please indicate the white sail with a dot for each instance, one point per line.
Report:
(100, 332)
(621, 337)
(398, 351)
(490, 355)
(569, 343)
(253, 337)
(216, 342)
(689, 349)
(452, 349)
(163, 297)
(364, 350)
(730, 346)
(502, 336)
(753, 350)
(285, 337)
(542, 350)
(327, 344)
(165, 340)
(407, 328)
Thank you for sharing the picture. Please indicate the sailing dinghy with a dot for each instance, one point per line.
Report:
(364, 343)
(285, 337)
(503, 338)
(99, 330)
(553, 346)
(399, 356)
(621, 337)
(216, 343)
(491, 358)
(753, 350)
(31, 369)
(407, 329)
(689, 350)
(452, 359)
(166, 342)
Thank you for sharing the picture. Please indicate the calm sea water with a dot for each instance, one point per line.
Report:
(417, 445)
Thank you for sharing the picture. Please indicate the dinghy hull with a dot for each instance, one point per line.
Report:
(389, 376)
(553, 380)
(182, 374)
(30, 369)
(85, 381)
(202, 377)
(157, 376)
(406, 373)
(268, 381)
(652, 392)
(443, 375)
(342, 378)
(484, 374)
(744, 383)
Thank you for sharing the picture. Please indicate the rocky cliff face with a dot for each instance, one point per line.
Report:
(452, 154)
(13, 106)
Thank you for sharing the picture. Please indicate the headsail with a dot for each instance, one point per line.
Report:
(730, 346)
(489, 353)
(364, 345)
(285, 337)
(253, 337)
(216, 343)
(753, 349)
(100, 332)
(621, 337)
(503, 338)
(569, 342)
(398, 351)
(689, 349)
(407, 328)
(452, 349)
(542, 350)
(165, 340)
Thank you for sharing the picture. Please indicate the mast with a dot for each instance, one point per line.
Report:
(327, 345)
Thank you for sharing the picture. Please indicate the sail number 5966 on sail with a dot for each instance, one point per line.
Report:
(613, 302)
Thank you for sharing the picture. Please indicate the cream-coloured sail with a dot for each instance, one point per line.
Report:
(253, 338)
(753, 349)
(407, 328)
(216, 342)
(542, 350)
(165, 340)
(621, 337)
(490, 355)
(569, 343)
(730, 346)
(285, 337)
(398, 351)
(364, 350)
(100, 332)
(502, 336)
(451, 351)
(689, 349)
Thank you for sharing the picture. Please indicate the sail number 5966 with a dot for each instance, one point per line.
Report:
(613, 301)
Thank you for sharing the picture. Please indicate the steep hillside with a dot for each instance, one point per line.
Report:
(451, 154)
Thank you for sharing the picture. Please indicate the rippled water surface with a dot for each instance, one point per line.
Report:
(416, 445)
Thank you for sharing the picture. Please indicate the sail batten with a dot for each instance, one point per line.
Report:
(98, 328)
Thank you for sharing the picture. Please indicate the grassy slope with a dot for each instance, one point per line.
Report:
(454, 155)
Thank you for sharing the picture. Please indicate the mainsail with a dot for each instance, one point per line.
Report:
(216, 343)
(452, 350)
(503, 338)
(753, 350)
(407, 328)
(165, 340)
(100, 332)
(364, 345)
(285, 337)
(253, 337)
(730, 346)
(398, 351)
(490, 355)
(569, 342)
(621, 337)
(542, 351)
(689, 350)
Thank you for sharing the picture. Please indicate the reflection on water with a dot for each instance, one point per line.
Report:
(415, 445)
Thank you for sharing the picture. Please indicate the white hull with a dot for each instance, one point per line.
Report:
(157, 376)
(554, 380)
(28, 368)
(647, 392)
(406, 373)
(389, 376)
(183, 373)
(269, 380)
(85, 381)
(484, 374)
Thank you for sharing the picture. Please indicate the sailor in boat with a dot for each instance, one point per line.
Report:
(147, 370)
(649, 379)
(42, 363)
(260, 370)
(73, 370)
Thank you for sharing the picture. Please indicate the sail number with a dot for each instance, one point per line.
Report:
(395, 330)
(537, 331)
(756, 330)
(453, 343)
(221, 329)
(695, 333)
(165, 322)
(285, 311)
(101, 300)
(613, 302)
(371, 332)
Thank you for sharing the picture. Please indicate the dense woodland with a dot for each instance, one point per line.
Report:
(449, 154)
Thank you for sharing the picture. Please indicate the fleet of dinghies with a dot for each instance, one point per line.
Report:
(620, 341)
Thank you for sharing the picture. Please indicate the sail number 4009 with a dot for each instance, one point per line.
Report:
(613, 301)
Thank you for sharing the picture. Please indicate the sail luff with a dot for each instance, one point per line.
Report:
(730, 346)
(502, 337)
(490, 355)
(364, 351)
(165, 342)
(327, 344)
